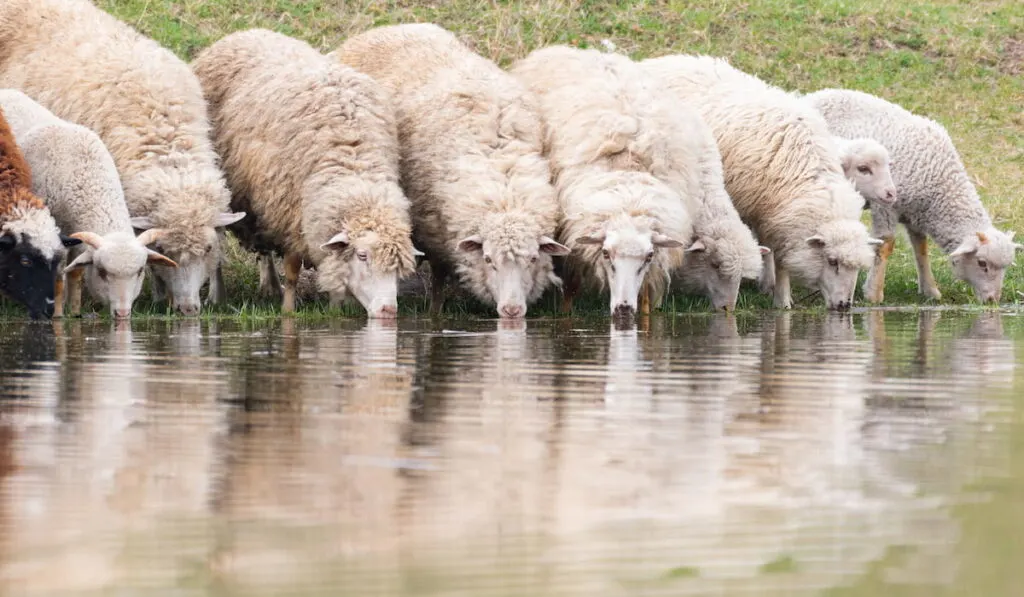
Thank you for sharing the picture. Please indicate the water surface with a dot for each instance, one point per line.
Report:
(878, 453)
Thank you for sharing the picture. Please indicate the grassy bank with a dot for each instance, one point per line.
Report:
(960, 63)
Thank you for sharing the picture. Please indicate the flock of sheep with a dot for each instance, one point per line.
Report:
(677, 169)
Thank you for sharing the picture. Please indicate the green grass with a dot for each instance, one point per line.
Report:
(961, 63)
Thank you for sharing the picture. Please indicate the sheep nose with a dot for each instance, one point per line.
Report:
(512, 311)
(890, 195)
(189, 309)
(992, 297)
(623, 310)
(842, 306)
(386, 312)
(122, 313)
(726, 308)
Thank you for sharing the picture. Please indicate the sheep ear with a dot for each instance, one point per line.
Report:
(158, 259)
(82, 261)
(471, 243)
(339, 241)
(69, 241)
(764, 250)
(227, 219)
(664, 242)
(816, 241)
(552, 247)
(90, 238)
(142, 223)
(982, 238)
(969, 246)
(697, 247)
(150, 236)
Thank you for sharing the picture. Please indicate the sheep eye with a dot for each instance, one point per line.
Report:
(102, 273)
(982, 264)
(25, 261)
(487, 259)
(208, 249)
(362, 255)
(833, 261)
(533, 259)
(864, 170)
(606, 254)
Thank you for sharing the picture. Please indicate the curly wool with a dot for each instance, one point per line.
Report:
(618, 154)
(87, 67)
(470, 137)
(935, 194)
(782, 167)
(310, 148)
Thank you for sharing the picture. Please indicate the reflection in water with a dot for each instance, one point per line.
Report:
(685, 455)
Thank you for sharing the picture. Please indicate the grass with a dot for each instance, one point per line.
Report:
(961, 63)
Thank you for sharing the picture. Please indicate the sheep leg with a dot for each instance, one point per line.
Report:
(766, 283)
(58, 297)
(569, 290)
(645, 299)
(438, 277)
(783, 295)
(74, 291)
(216, 293)
(270, 283)
(925, 280)
(292, 267)
(874, 285)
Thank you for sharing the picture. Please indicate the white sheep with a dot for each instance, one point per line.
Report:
(311, 146)
(625, 169)
(936, 197)
(72, 171)
(867, 165)
(482, 203)
(783, 172)
(87, 67)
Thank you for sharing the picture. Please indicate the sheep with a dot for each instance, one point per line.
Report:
(783, 172)
(72, 171)
(31, 246)
(147, 107)
(936, 197)
(624, 168)
(312, 147)
(867, 165)
(470, 140)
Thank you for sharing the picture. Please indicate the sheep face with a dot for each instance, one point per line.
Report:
(368, 267)
(114, 267)
(981, 261)
(867, 165)
(627, 253)
(509, 270)
(719, 260)
(195, 250)
(831, 259)
(28, 270)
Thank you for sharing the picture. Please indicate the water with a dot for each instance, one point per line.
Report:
(879, 453)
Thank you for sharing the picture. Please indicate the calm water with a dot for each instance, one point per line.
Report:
(878, 453)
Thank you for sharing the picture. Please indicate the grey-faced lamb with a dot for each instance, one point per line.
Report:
(936, 196)
(72, 171)
(625, 169)
(783, 173)
(310, 149)
(483, 206)
(87, 67)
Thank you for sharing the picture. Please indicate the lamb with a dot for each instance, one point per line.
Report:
(31, 247)
(147, 108)
(783, 172)
(867, 165)
(625, 170)
(311, 148)
(470, 139)
(936, 197)
(72, 171)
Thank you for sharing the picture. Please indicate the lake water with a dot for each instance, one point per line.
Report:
(873, 453)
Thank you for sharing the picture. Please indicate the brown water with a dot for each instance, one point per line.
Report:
(878, 453)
